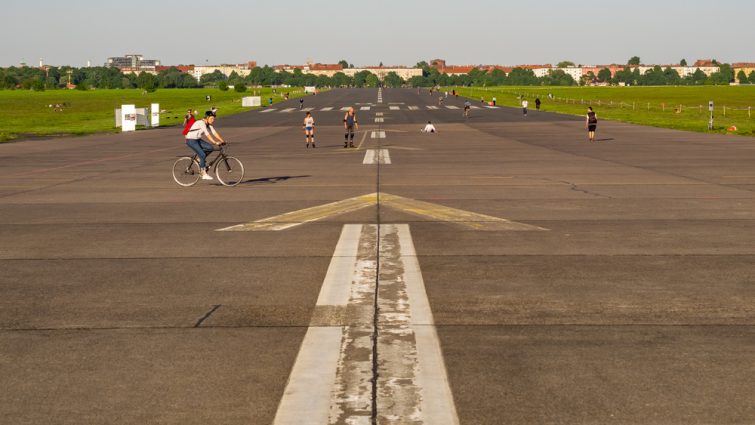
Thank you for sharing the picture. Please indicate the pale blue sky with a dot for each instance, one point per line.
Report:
(364, 33)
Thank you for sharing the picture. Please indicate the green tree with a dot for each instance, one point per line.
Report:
(371, 80)
(211, 79)
(393, 80)
(742, 77)
(522, 77)
(683, 62)
(724, 76)
(634, 60)
(341, 80)
(752, 77)
(222, 86)
(604, 75)
(240, 87)
(343, 63)
(146, 82)
(565, 64)
(360, 78)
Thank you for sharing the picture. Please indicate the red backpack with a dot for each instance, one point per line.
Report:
(188, 125)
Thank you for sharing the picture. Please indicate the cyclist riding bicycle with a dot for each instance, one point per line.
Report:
(467, 106)
(194, 141)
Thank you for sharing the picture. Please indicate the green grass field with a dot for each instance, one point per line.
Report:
(26, 113)
(682, 108)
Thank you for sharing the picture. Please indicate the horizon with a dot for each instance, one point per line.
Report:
(478, 32)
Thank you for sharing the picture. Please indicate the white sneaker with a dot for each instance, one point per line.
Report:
(205, 176)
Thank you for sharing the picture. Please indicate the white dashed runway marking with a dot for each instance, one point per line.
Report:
(377, 156)
(378, 135)
(287, 110)
(394, 108)
(364, 108)
(327, 108)
(452, 107)
(267, 110)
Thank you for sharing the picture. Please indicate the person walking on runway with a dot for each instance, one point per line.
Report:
(591, 123)
(309, 129)
(525, 104)
(349, 124)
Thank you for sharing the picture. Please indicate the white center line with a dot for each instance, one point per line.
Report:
(267, 110)
(364, 108)
(394, 108)
(288, 110)
(379, 119)
(378, 134)
(327, 108)
(452, 107)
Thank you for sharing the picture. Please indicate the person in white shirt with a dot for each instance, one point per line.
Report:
(309, 129)
(429, 128)
(194, 141)
(525, 104)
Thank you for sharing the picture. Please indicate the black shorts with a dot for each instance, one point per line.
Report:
(592, 127)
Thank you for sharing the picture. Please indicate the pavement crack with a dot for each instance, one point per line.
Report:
(207, 316)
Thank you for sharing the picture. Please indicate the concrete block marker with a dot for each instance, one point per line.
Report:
(411, 380)
(377, 156)
(364, 108)
(394, 108)
(378, 134)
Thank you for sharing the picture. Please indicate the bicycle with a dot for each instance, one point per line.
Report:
(466, 112)
(228, 169)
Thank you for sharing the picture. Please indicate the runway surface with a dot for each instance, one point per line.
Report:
(501, 271)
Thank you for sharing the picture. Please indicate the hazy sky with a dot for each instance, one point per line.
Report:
(364, 33)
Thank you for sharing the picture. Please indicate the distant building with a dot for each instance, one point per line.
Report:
(133, 63)
(241, 70)
(331, 69)
(747, 67)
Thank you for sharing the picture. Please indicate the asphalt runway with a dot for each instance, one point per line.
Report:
(565, 282)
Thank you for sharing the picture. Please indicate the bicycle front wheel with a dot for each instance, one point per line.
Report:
(229, 171)
(186, 171)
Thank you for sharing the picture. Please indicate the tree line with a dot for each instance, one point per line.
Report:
(111, 78)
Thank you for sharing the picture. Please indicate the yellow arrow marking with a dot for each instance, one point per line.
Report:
(429, 210)
(452, 215)
(307, 215)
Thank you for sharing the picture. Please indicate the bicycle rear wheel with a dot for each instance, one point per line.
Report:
(186, 171)
(229, 171)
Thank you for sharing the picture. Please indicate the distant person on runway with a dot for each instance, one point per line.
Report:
(429, 128)
(525, 104)
(301, 103)
(188, 117)
(591, 123)
(494, 100)
(537, 103)
(349, 124)
(309, 129)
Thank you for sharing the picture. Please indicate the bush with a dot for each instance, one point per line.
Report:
(223, 86)
(240, 88)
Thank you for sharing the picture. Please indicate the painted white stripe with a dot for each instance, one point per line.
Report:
(327, 108)
(335, 289)
(313, 377)
(432, 107)
(492, 107)
(413, 108)
(379, 120)
(452, 107)
(364, 108)
(400, 273)
(308, 109)
(346, 108)
(394, 108)
(267, 110)
(378, 114)
(377, 156)
(378, 135)
(288, 110)
(475, 107)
